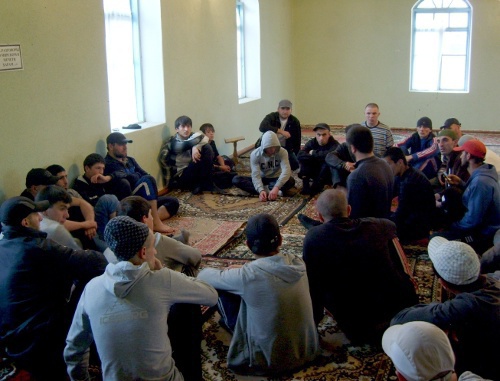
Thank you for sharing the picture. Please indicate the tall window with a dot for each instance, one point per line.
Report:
(123, 62)
(248, 49)
(440, 53)
(240, 48)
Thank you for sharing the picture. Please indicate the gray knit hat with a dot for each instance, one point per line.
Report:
(125, 236)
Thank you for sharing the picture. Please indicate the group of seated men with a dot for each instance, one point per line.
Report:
(144, 316)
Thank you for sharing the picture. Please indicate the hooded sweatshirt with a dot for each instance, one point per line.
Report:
(275, 330)
(125, 311)
(264, 166)
(482, 200)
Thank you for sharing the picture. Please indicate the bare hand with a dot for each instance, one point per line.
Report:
(409, 158)
(273, 195)
(157, 264)
(225, 168)
(90, 233)
(263, 196)
(349, 166)
(99, 179)
(195, 154)
(454, 180)
(286, 134)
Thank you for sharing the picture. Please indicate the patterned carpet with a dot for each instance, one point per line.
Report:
(207, 235)
(216, 224)
(339, 359)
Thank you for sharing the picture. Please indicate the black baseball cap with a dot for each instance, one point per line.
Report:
(322, 126)
(117, 138)
(16, 209)
(40, 176)
(263, 233)
(448, 122)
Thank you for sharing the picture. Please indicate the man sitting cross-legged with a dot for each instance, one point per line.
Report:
(312, 160)
(124, 177)
(266, 305)
(270, 169)
(186, 159)
(352, 270)
(125, 311)
(416, 208)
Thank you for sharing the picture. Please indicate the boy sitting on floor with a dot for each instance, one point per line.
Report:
(266, 304)
(223, 166)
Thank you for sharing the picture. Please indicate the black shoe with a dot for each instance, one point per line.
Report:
(212, 188)
(196, 190)
(316, 188)
(307, 222)
(306, 188)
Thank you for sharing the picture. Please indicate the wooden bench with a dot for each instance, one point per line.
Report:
(235, 144)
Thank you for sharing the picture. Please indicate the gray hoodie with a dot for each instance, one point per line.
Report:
(275, 166)
(125, 311)
(275, 330)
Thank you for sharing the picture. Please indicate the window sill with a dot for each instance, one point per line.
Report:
(247, 100)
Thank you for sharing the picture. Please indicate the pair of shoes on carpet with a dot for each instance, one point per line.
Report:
(307, 222)
(212, 188)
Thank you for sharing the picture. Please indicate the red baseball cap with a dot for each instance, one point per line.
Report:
(474, 147)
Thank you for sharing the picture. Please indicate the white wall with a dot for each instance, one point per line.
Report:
(349, 53)
(56, 109)
(330, 57)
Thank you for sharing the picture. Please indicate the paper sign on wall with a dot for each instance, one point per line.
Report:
(10, 57)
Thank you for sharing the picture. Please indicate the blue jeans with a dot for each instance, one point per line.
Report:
(105, 206)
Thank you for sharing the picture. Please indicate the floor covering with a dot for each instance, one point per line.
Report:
(222, 218)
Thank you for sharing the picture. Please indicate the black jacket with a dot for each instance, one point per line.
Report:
(271, 122)
(36, 276)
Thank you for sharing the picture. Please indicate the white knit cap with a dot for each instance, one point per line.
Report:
(419, 350)
(456, 262)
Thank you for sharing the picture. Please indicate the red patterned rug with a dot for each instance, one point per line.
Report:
(207, 235)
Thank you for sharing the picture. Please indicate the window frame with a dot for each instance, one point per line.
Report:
(446, 10)
(147, 61)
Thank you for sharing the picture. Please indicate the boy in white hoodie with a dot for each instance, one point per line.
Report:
(271, 170)
(125, 310)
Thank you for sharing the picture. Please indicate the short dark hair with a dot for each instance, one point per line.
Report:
(135, 207)
(206, 126)
(92, 159)
(396, 153)
(360, 137)
(183, 120)
(53, 194)
(54, 169)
